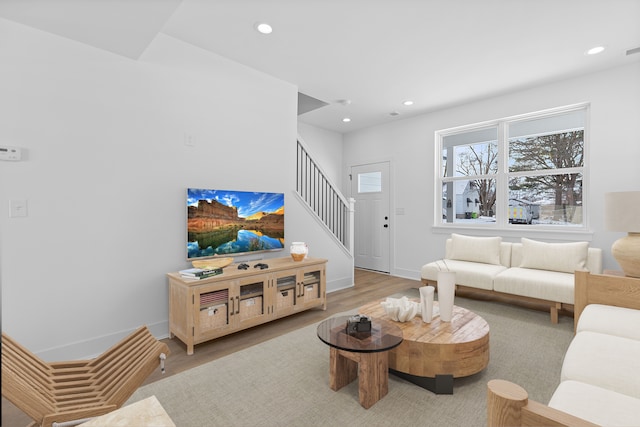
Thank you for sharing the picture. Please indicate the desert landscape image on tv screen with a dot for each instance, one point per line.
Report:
(223, 222)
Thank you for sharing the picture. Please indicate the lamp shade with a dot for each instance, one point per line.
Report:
(622, 211)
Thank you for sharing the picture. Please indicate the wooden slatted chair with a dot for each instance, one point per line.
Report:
(61, 392)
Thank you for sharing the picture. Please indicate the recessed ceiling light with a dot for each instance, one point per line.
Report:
(264, 28)
(346, 120)
(407, 103)
(595, 50)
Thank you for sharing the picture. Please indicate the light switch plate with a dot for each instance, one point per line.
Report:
(10, 153)
(17, 208)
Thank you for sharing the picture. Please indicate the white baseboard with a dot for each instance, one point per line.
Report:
(94, 347)
(337, 285)
(407, 274)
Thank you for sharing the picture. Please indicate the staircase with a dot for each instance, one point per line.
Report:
(323, 198)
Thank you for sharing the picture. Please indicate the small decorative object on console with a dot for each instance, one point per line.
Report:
(358, 324)
(299, 251)
(212, 263)
(199, 273)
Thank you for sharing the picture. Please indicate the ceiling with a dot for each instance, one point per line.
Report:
(362, 58)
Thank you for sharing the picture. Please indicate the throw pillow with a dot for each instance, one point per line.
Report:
(476, 249)
(563, 257)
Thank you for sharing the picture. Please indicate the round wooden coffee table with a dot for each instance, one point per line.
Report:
(432, 354)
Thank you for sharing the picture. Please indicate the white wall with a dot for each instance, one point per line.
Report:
(105, 175)
(614, 151)
(326, 147)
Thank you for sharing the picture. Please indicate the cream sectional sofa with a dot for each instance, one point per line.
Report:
(530, 271)
(600, 377)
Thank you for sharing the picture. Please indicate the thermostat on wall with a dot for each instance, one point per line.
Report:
(10, 153)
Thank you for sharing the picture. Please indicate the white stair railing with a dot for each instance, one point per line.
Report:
(324, 199)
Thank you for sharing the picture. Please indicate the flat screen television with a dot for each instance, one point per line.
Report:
(228, 223)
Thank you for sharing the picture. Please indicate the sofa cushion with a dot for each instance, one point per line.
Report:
(605, 361)
(472, 274)
(476, 249)
(563, 257)
(542, 284)
(595, 404)
(607, 319)
(505, 252)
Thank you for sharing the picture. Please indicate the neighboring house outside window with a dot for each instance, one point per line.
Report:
(520, 171)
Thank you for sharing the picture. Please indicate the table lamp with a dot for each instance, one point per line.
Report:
(622, 213)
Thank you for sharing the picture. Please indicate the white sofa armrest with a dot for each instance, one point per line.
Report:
(594, 260)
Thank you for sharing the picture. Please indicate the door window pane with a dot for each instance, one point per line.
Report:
(370, 182)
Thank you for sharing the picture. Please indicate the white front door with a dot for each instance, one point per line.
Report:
(370, 189)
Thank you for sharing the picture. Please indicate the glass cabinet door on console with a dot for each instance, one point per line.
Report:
(286, 291)
(214, 311)
(298, 289)
(241, 303)
(309, 287)
(250, 306)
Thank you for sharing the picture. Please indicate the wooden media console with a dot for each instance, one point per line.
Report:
(202, 310)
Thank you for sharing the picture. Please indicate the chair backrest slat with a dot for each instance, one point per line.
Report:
(65, 391)
(23, 373)
(118, 368)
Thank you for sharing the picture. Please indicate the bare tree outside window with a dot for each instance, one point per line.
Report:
(479, 160)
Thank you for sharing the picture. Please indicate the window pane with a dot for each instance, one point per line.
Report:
(546, 199)
(573, 120)
(469, 201)
(471, 137)
(471, 160)
(370, 182)
(470, 153)
(553, 142)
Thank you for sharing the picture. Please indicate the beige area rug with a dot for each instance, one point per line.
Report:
(285, 381)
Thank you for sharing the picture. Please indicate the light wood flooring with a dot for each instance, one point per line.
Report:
(368, 286)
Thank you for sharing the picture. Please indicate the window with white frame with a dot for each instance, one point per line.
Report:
(526, 170)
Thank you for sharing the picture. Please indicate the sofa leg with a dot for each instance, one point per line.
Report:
(554, 312)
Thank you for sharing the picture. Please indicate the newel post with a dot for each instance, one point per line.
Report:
(505, 401)
(352, 211)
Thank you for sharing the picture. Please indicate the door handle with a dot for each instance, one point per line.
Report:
(386, 226)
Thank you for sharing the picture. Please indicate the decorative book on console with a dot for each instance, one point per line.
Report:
(200, 273)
